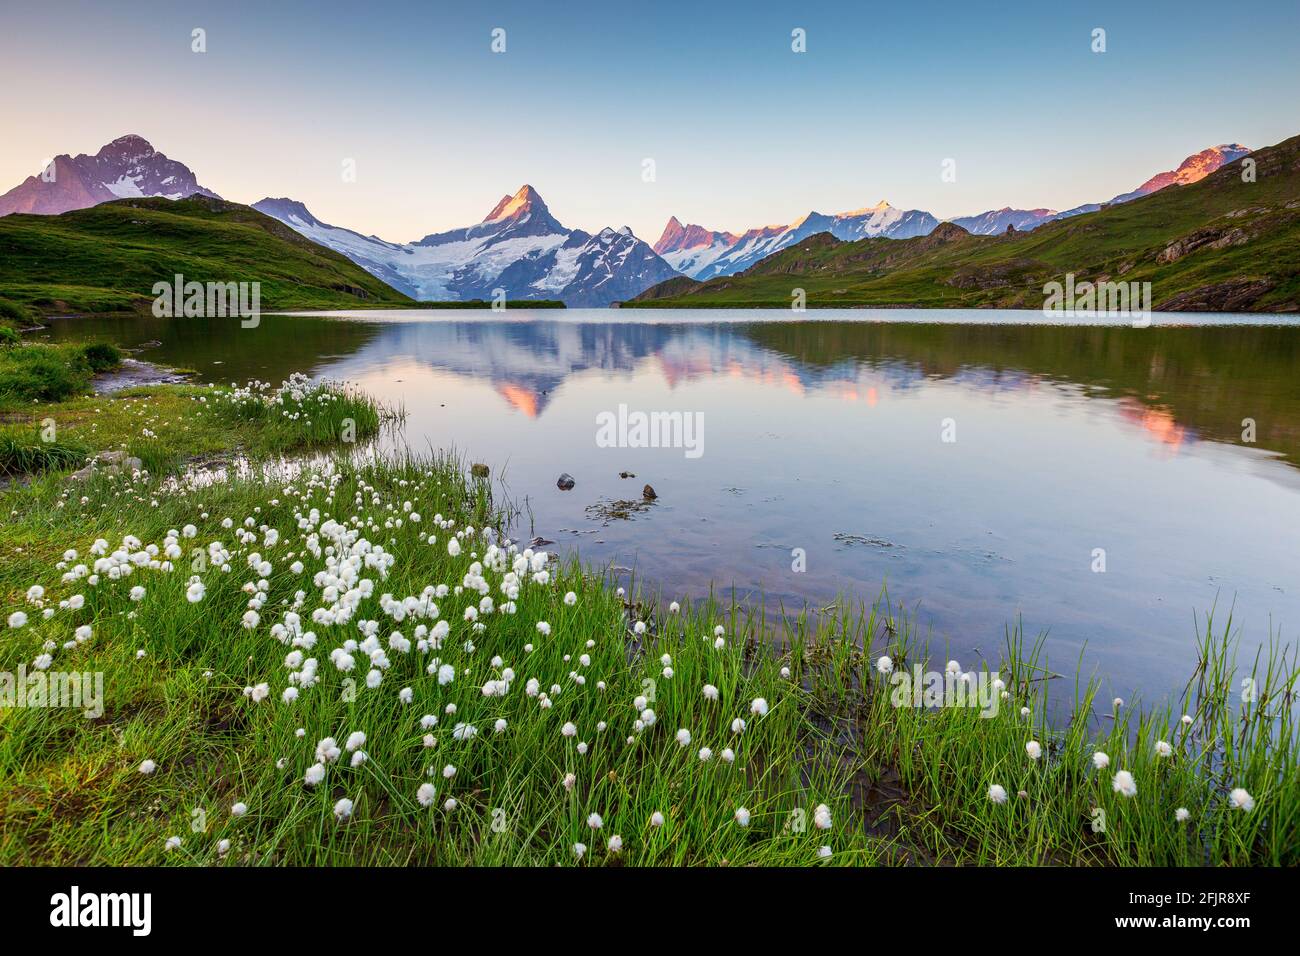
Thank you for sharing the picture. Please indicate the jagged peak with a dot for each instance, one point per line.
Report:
(865, 210)
(131, 144)
(813, 214)
(284, 206)
(524, 201)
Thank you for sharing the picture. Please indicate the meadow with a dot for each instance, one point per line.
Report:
(347, 661)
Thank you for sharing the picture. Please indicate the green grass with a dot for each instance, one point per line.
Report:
(108, 257)
(14, 316)
(24, 453)
(49, 373)
(1255, 267)
(166, 426)
(901, 784)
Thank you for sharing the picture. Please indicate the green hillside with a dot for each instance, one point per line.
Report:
(108, 257)
(1222, 244)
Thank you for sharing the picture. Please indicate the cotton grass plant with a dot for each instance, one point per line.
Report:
(197, 669)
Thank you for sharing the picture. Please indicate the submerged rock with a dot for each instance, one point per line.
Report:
(565, 482)
(109, 462)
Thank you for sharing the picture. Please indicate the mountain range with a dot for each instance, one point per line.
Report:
(1229, 241)
(520, 247)
(701, 253)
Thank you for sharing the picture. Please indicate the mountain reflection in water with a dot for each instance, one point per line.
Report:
(826, 435)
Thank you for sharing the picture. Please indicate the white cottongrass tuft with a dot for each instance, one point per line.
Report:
(998, 793)
(742, 816)
(1100, 760)
(1034, 749)
(1123, 783)
(147, 766)
(1239, 799)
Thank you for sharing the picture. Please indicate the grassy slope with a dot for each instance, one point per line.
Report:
(108, 257)
(1256, 269)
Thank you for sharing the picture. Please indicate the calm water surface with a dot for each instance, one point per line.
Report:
(827, 435)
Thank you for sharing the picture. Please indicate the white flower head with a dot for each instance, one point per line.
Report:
(1123, 783)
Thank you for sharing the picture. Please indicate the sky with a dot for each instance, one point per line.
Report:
(742, 130)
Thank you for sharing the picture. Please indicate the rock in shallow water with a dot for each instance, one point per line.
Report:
(565, 482)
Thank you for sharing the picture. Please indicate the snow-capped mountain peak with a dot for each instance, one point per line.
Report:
(287, 209)
(520, 248)
(868, 210)
(704, 254)
(127, 167)
(1192, 169)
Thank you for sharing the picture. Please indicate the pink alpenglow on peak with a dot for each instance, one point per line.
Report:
(676, 237)
(128, 167)
(1192, 169)
(517, 206)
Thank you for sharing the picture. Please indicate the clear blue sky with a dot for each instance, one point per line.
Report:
(743, 131)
